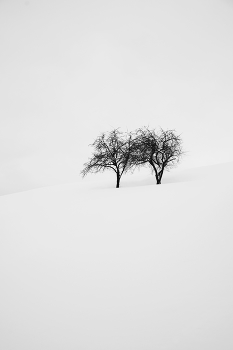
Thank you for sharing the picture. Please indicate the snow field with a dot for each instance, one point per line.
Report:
(140, 267)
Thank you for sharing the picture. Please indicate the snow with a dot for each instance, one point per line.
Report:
(91, 267)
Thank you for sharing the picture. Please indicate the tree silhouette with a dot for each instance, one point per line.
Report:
(161, 151)
(112, 150)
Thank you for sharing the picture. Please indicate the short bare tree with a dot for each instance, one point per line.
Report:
(161, 151)
(111, 151)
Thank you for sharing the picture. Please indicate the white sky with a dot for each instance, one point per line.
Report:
(71, 69)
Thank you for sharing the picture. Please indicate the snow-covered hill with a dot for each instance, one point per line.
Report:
(90, 267)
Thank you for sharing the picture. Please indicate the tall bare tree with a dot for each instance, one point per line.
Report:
(111, 151)
(161, 151)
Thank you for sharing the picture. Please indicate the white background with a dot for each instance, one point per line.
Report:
(84, 265)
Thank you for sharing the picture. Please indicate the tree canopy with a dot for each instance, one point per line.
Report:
(111, 151)
(119, 151)
(160, 150)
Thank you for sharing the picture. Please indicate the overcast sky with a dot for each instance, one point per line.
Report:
(70, 69)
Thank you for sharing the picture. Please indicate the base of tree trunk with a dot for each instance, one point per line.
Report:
(158, 181)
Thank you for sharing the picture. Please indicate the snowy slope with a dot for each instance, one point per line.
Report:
(90, 267)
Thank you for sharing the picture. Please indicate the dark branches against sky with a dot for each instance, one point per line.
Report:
(111, 151)
(160, 150)
(120, 152)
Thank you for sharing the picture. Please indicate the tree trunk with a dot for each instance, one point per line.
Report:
(118, 180)
(158, 174)
(159, 177)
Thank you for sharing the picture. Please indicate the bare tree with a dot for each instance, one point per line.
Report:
(161, 151)
(111, 151)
